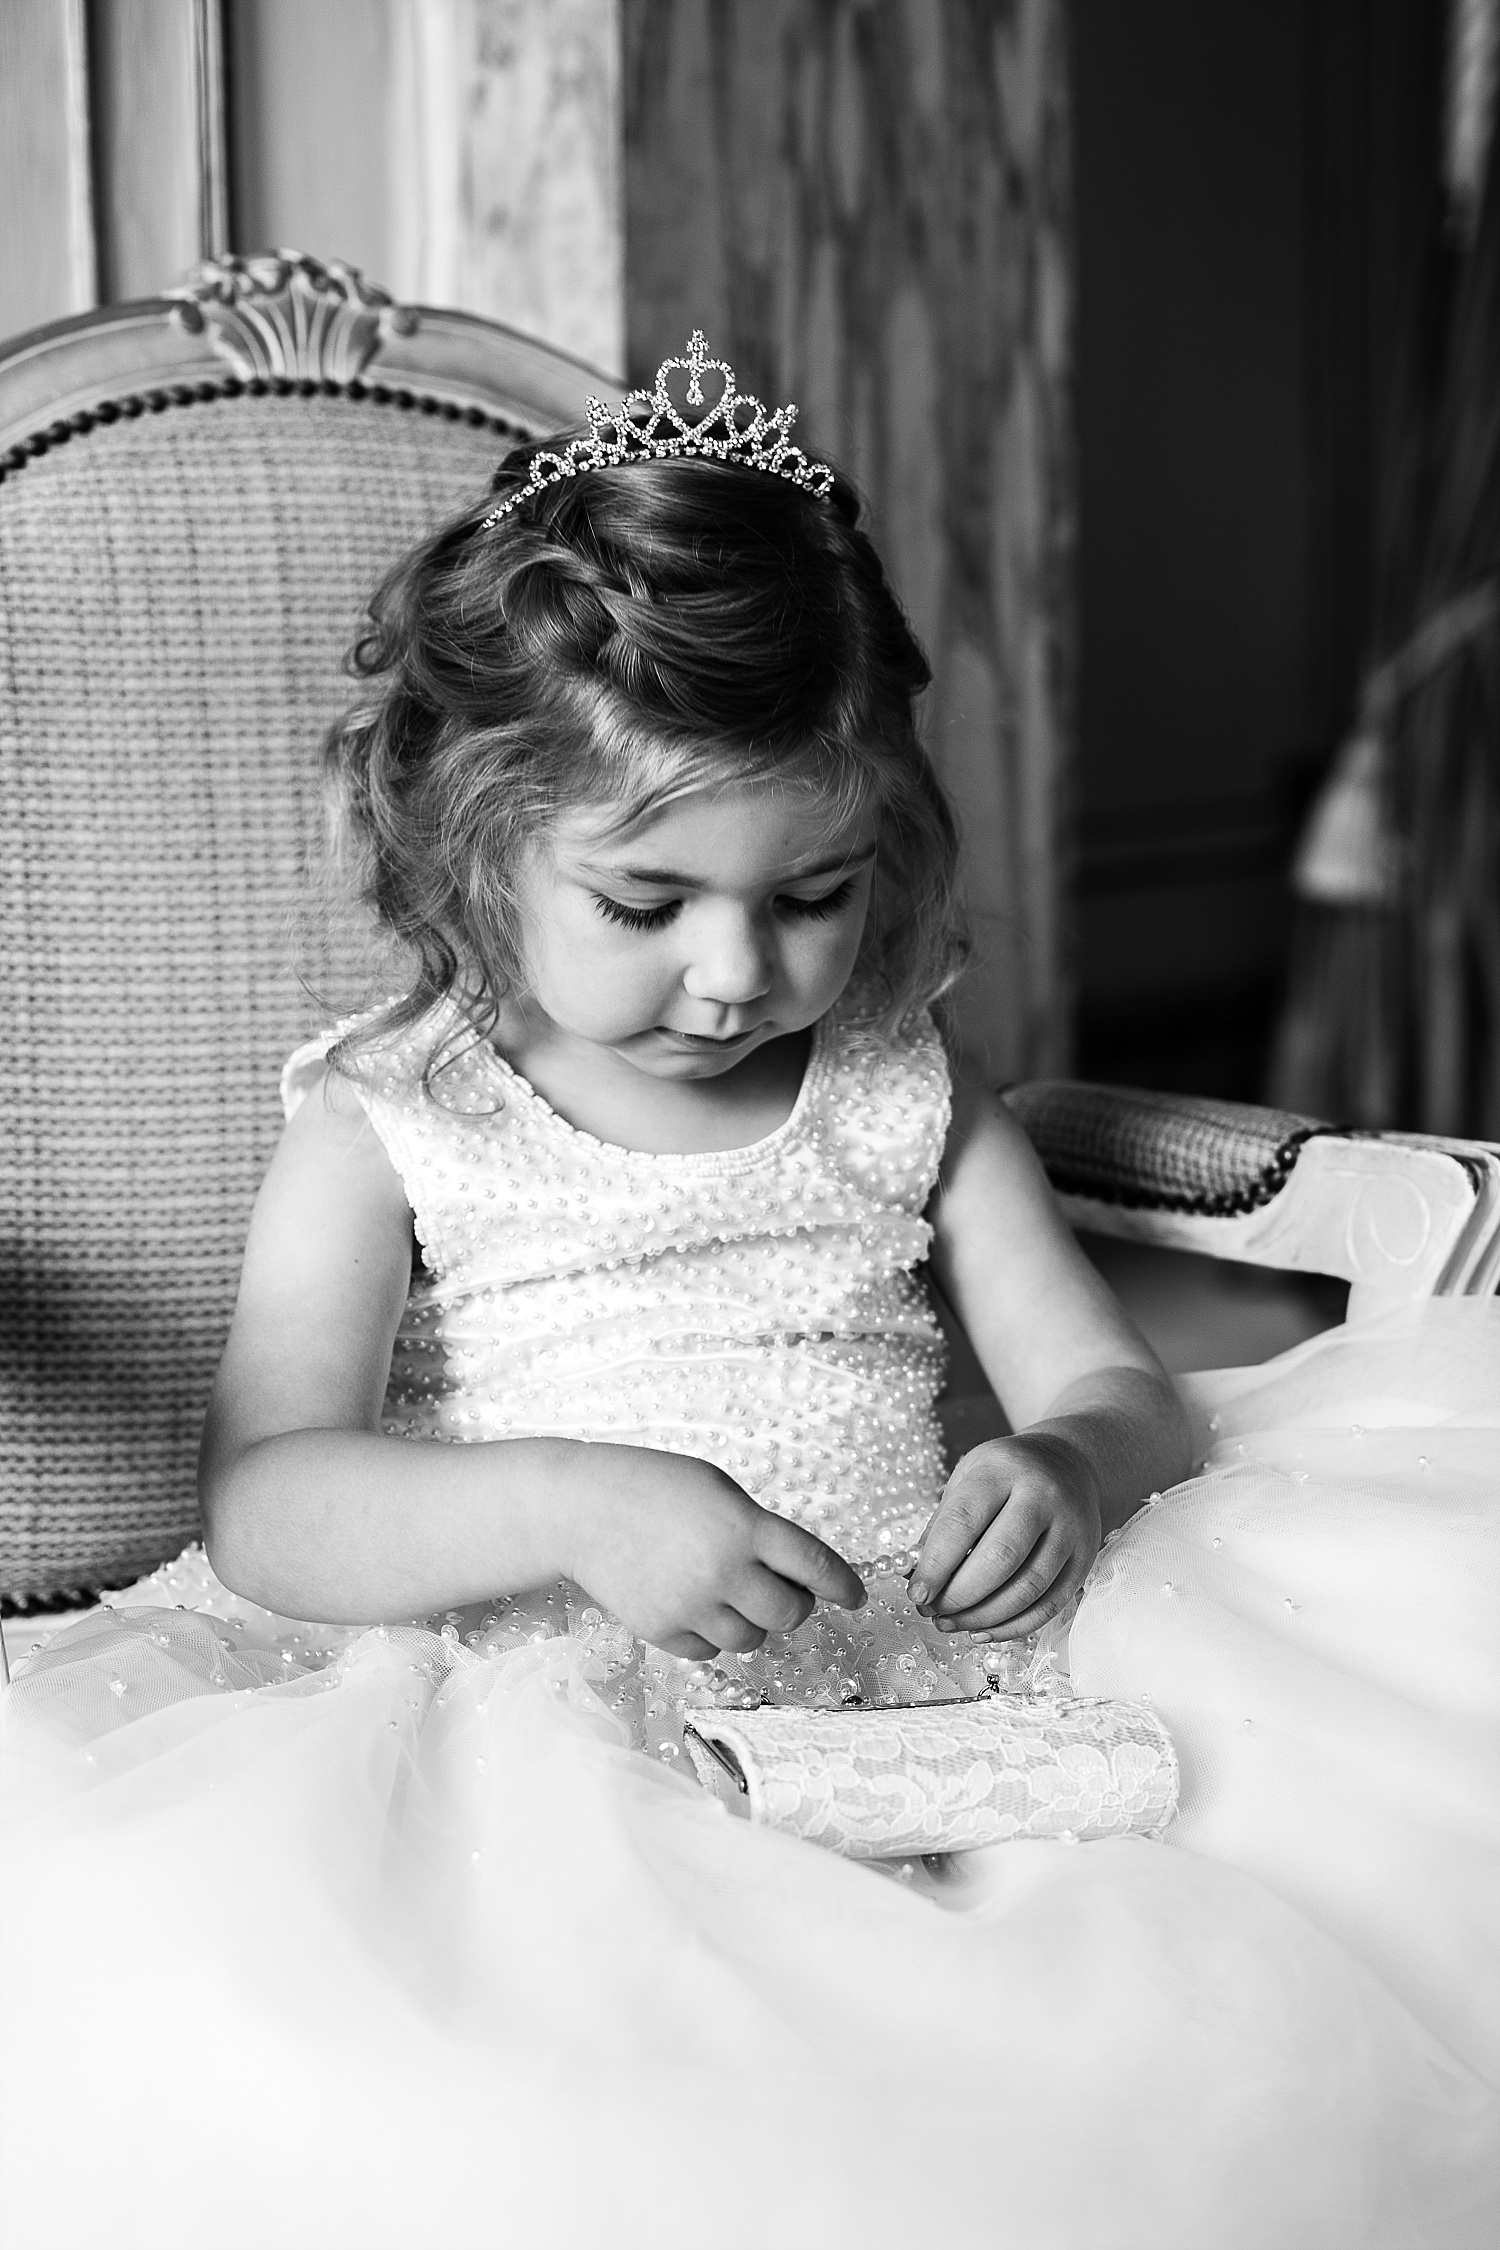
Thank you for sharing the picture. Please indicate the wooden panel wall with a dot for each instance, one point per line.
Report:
(161, 187)
(312, 125)
(46, 194)
(112, 151)
(504, 165)
(865, 204)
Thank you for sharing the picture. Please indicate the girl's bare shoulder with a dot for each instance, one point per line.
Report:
(331, 1154)
(982, 1132)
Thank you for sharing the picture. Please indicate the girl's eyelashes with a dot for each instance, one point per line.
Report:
(820, 909)
(657, 917)
(636, 917)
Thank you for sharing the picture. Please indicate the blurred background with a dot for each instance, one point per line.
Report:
(1164, 337)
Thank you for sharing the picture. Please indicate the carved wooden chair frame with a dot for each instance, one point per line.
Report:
(270, 322)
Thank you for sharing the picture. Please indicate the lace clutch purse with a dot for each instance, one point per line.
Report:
(896, 1781)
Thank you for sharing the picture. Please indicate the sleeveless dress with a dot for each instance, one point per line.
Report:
(375, 1936)
(754, 1306)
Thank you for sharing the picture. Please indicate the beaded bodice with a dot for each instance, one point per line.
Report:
(756, 1307)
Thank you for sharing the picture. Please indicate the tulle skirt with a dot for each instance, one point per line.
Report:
(416, 1945)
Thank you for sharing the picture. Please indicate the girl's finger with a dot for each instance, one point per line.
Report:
(996, 1617)
(766, 1598)
(1010, 1548)
(732, 1631)
(997, 1551)
(688, 1644)
(1001, 1598)
(790, 1552)
(964, 1514)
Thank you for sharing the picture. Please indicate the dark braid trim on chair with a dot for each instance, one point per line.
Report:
(1160, 1152)
(61, 1599)
(136, 403)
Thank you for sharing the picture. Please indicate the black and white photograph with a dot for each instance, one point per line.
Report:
(750, 1124)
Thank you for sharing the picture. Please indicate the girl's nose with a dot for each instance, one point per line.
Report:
(731, 963)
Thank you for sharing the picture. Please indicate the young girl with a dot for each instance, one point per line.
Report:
(639, 783)
(582, 1307)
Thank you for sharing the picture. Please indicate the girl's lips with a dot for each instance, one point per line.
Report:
(702, 1039)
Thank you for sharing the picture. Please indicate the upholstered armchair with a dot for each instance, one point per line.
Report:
(197, 494)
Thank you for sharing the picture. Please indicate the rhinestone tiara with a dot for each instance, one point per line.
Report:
(648, 427)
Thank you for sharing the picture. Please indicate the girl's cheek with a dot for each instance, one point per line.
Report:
(611, 981)
(842, 950)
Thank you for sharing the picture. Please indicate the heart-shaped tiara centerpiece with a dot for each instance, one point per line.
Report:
(649, 426)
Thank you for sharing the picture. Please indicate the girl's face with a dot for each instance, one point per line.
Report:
(730, 918)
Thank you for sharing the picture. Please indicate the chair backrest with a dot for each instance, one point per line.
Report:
(1394, 1214)
(197, 496)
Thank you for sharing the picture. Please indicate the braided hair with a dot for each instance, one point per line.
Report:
(623, 639)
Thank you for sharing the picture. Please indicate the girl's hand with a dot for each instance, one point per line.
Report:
(1013, 1538)
(687, 1560)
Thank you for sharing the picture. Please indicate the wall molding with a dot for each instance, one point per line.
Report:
(210, 112)
(83, 242)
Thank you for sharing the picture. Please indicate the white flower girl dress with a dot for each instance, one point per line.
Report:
(371, 1937)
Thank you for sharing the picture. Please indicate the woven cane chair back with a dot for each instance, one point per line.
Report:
(198, 497)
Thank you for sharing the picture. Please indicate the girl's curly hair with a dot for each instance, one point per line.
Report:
(622, 639)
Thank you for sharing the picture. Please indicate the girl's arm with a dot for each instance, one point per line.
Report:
(309, 1509)
(1097, 1424)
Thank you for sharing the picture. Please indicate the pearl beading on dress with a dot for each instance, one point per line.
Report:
(756, 1307)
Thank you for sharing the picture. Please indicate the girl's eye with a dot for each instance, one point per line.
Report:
(657, 917)
(636, 917)
(819, 909)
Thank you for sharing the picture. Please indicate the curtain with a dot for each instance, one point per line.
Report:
(1393, 1009)
(866, 208)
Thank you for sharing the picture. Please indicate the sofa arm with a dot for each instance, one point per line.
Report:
(1395, 1214)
